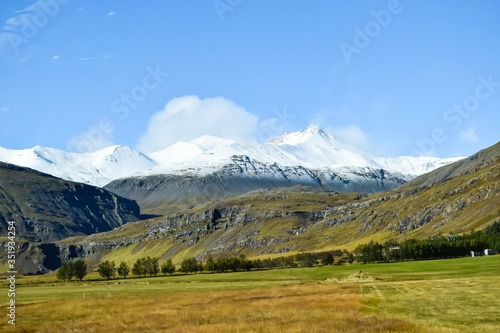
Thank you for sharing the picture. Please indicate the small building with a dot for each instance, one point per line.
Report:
(475, 254)
(450, 238)
(488, 252)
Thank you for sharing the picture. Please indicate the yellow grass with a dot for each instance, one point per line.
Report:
(302, 308)
(468, 304)
(450, 296)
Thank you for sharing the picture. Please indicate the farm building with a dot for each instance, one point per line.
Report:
(475, 253)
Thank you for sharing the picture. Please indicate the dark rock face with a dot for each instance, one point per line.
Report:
(47, 209)
(41, 258)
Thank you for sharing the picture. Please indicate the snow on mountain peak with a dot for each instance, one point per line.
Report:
(209, 142)
(96, 168)
(294, 138)
(311, 148)
(176, 152)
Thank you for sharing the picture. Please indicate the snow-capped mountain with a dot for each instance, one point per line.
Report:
(210, 168)
(312, 149)
(310, 157)
(98, 168)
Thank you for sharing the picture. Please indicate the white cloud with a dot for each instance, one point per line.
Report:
(469, 135)
(102, 56)
(56, 57)
(189, 117)
(111, 13)
(5, 109)
(88, 58)
(96, 137)
(353, 135)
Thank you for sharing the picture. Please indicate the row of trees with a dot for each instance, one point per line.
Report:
(241, 263)
(142, 267)
(432, 248)
(307, 259)
(150, 266)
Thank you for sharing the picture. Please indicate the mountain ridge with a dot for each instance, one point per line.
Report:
(311, 148)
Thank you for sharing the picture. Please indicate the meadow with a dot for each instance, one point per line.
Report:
(454, 295)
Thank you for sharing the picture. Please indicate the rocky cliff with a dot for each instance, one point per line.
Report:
(48, 209)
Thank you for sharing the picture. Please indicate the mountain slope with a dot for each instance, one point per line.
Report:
(162, 194)
(472, 164)
(453, 199)
(46, 208)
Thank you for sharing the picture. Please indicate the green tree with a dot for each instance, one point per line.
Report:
(327, 258)
(107, 269)
(123, 269)
(493, 229)
(306, 259)
(66, 271)
(392, 250)
(339, 261)
(245, 264)
(155, 266)
(138, 268)
(495, 246)
(337, 253)
(189, 265)
(147, 266)
(221, 264)
(80, 269)
(349, 257)
(168, 267)
(210, 265)
(288, 261)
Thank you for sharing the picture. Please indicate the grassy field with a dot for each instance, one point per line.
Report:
(456, 295)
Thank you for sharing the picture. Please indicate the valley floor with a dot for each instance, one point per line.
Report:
(455, 295)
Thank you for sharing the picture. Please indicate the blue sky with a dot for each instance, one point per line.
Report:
(409, 77)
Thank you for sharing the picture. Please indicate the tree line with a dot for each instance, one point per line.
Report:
(149, 266)
(438, 247)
